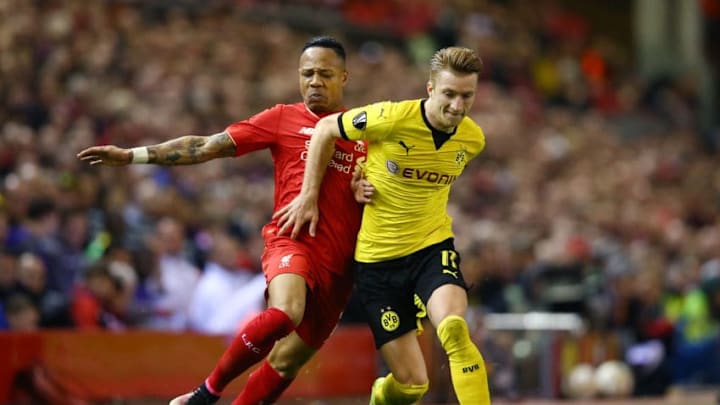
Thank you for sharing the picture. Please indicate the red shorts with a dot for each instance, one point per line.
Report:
(327, 296)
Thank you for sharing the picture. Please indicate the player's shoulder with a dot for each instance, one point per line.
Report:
(294, 114)
(471, 130)
(295, 108)
(397, 110)
(406, 106)
(471, 125)
(273, 111)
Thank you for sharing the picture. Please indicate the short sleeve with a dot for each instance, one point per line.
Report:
(257, 132)
(370, 123)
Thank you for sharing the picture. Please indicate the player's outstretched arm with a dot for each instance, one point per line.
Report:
(185, 150)
(303, 209)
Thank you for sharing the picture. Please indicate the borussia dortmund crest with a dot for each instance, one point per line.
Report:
(389, 319)
(460, 156)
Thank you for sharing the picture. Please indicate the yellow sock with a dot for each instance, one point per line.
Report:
(388, 391)
(467, 367)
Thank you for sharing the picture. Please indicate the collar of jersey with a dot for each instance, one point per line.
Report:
(439, 137)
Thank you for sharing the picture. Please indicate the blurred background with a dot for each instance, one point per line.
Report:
(597, 198)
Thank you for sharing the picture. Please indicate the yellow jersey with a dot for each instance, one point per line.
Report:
(412, 166)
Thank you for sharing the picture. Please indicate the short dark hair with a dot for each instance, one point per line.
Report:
(325, 41)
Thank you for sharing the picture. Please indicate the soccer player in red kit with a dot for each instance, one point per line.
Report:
(309, 280)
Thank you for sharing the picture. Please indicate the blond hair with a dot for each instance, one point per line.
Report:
(458, 59)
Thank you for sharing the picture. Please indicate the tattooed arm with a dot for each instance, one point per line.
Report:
(185, 150)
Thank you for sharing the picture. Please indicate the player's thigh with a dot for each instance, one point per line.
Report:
(288, 273)
(289, 354)
(324, 305)
(389, 307)
(440, 284)
(446, 300)
(404, 358)
(286, 291)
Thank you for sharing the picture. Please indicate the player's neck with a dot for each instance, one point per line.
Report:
(432, 119)
(324, 112)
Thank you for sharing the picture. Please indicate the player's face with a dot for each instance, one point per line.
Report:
(450, 97)
(322, 78)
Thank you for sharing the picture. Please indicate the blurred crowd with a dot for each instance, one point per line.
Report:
(598, 192)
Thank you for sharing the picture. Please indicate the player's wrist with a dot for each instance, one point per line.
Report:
(139, 155)
(309, 195)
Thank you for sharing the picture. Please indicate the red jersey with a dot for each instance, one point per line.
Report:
(286, 129)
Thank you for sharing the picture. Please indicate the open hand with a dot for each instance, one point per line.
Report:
(295, 215)
(109, 155)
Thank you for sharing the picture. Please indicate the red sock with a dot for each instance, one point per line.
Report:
(264, 386)
(251, 345)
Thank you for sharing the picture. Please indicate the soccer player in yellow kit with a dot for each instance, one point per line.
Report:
(407, 266)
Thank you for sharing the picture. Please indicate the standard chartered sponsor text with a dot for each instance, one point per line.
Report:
(341, 161)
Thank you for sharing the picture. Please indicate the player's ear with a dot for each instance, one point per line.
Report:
(344, 77)
(429, 87)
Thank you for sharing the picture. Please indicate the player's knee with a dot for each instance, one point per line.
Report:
(295, 310)
(453, 332)
(287, 368)
(289, 355)
(287, 292)
(286, 364)
(410, 376)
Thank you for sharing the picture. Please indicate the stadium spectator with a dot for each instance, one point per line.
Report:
(697, 337)
(32, 282)
(39, 235)
(22, 314)
(229, 292)
(8, 274)
(94, 300)
(174, 279)
(73, 237)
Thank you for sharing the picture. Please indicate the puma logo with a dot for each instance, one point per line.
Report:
(407, 148)
(450, 272)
